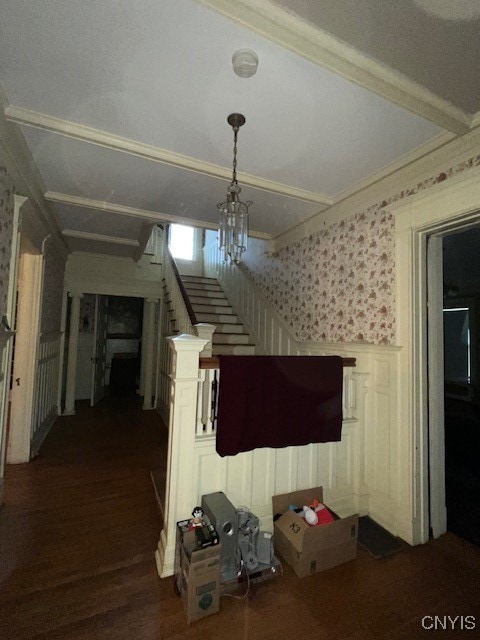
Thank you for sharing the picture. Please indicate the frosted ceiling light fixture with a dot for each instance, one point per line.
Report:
(245, 63)
(233, 224)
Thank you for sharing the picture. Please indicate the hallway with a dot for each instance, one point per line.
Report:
(79, 530)
(80, 526)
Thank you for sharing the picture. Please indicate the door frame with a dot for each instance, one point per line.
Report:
(25, 360)
(438, 210)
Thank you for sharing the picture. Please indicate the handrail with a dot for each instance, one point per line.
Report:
(185, 297)
(214, 362)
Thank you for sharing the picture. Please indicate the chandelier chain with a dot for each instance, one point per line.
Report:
(235, 135)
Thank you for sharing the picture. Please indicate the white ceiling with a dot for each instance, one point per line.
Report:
(123, 105)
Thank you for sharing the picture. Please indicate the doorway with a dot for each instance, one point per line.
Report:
(109, 346)
(26, 313)
(435, 212)
(461, 296)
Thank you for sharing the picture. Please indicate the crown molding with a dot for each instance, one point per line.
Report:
(449, 155)
(21, 166)
(459, 193)
(98, 237)
(412, 156)
(144, 214)
(475, 122)
(26, 117)
(318, 46)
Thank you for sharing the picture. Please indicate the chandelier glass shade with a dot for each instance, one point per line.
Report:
(233, 222)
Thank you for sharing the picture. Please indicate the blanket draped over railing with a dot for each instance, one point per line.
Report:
(278, 401)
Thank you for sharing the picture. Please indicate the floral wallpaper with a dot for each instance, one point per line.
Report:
(338, 285)
(6, 229)
(54, 269)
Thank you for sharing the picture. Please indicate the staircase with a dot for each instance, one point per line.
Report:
(210, 305)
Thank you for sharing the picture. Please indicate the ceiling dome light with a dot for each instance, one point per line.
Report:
(245, 63)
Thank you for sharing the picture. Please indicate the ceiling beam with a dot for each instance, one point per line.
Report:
(318, 46)
(20, 164)
(98, 237)
(143, 214)
(81, 132)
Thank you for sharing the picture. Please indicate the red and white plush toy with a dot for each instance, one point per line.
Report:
(317, 514)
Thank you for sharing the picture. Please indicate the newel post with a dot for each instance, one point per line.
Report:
(180, 493)
(205, 331)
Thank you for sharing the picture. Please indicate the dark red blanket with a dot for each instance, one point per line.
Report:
(278, 401)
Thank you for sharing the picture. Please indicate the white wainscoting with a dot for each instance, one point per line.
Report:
(378, 455)
(378, 469)
(45, 408)
(251, 479)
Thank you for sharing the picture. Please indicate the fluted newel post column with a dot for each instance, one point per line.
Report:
(205, 331)
(181, 494)
(149, 353)
(72, 353)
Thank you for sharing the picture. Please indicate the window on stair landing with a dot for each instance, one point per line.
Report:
(180, 241)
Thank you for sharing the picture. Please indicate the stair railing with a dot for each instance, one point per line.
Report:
(179, 303)
(179, 318)
(179, 292)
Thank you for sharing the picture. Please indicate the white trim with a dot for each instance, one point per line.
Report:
(436, 381)
(445, 206)
(290, 31)
(451, 154)
(155, 216)
(98, 237)
(26, 349)
(400, 163)
(21, 166)
(100, 138)
(475, 122)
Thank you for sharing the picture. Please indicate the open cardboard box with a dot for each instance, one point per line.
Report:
(310, 549)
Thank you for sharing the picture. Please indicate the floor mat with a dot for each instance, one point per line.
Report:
(375, 539)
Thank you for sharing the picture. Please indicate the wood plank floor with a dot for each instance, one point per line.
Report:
(80, 526)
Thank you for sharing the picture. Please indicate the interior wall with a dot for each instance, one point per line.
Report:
(54, 271)
(193, 267)
(338, 285)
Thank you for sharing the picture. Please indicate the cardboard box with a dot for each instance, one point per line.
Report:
(310, 549)
(197, 574)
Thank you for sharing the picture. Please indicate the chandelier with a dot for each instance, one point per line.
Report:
(233, 224)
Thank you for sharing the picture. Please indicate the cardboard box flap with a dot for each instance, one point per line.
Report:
(300, 498)
(293, 528)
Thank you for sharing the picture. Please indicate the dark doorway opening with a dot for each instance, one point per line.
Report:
(461, 262)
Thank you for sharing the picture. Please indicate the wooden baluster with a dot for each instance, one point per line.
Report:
(202, 387)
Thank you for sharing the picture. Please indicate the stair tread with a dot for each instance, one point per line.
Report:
(211, 304)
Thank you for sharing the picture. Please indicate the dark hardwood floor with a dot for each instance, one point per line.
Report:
(80, 526)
